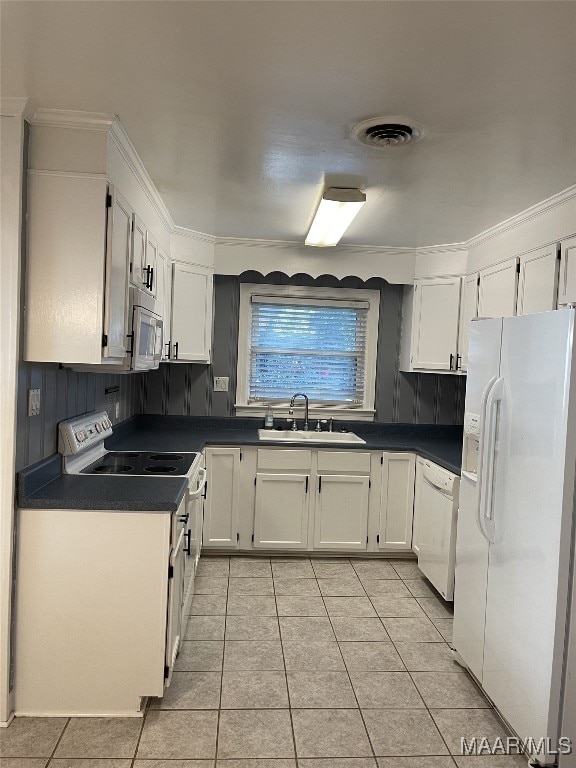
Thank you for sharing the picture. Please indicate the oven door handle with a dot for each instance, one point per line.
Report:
(198, 491)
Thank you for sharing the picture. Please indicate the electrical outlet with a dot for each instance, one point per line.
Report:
(33, 402)
(117, 409)
(221, 383)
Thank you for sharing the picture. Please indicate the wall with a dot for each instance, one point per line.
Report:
(545, 223)
(12, 151)
(182, 389)
(66, 394)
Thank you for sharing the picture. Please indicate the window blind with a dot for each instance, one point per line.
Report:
(310, 346)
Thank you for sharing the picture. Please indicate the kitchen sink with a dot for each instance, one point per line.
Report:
(302, 436)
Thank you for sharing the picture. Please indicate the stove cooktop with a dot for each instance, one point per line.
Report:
(141, 463)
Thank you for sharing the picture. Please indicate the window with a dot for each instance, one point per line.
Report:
(318, 341)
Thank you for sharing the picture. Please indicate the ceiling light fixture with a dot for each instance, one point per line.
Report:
(338, 208)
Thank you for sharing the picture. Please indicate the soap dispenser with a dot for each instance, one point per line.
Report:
(269, 420)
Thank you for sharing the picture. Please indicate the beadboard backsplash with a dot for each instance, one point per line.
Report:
(66, 394)
(182, 389)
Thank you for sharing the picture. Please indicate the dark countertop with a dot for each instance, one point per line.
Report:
(43, 486)
(441, 444)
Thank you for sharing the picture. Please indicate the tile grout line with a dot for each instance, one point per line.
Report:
(352, 686)
(296, 760)
(222, 667)
(68, 721)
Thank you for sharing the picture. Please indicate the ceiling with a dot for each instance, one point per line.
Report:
(241, 111)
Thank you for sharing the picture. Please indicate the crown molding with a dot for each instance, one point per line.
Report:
(430, 250)
(16, 106)
(70, 118)
(201, 237)
(560, 198)
(101, 121)
(129, 153)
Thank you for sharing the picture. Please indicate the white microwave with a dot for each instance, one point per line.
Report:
(145, 339)
(146, 333)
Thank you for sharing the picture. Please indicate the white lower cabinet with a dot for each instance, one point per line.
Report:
(396, 501)
(281, 511)
(98, 609)
(309, 499)
(221, 502)
(418, 506)
(341, 512)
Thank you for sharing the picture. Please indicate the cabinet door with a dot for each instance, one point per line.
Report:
(538, 281)
(160, 283)
(116, 287)
(435, 323)
(396, 501)
(497, 291)
(191, 331)
(175, 601)
(468, 311)
(137, 252)
(281, 511)
(418, 509)
(567, 287)
(341, 513)
(150, 264)
(222, 498)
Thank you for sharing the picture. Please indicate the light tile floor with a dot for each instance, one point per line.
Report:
(292, 662)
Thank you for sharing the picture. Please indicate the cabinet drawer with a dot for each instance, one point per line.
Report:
(284, 459)
(343, 461)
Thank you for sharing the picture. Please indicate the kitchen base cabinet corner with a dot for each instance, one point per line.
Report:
(98, 611)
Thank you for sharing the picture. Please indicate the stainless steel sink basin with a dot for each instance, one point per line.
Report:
(300, 436)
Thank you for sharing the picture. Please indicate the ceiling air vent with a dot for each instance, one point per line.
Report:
(382, 132)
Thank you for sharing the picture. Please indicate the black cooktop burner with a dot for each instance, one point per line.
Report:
(135, 463)
(113, 469)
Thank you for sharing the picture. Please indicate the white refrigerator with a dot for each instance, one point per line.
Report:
(515, 542)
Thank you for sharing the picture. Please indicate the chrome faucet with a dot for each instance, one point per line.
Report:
(291, 411)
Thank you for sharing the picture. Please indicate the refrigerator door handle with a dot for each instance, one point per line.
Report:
(486, 511)
(481, 453)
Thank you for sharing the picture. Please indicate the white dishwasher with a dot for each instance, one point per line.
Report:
(435, 516)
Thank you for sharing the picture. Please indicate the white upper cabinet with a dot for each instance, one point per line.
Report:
(137, 253)
(430, 333)
(192, 310)
(149, 272)
(497, 290)
(78, 249)
(468, 311)
(114, 342)
(538, 281)
(567, 282)
(161, 285)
